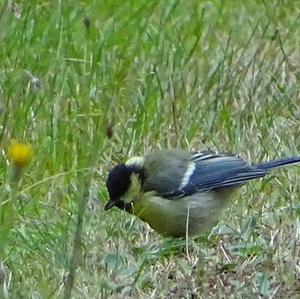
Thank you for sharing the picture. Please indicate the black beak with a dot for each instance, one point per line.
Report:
(111, 203)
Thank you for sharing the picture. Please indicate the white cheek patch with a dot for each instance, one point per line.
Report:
(186, 178)
(133, 193)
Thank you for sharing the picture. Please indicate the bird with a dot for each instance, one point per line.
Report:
(182, 193)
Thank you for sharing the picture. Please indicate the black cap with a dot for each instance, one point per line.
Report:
(118, 182)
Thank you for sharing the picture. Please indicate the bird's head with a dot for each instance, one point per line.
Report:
(118, 183)
(123, 181)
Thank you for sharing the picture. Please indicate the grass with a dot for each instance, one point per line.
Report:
(89, 84)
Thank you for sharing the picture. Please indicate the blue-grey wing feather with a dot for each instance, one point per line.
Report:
(216, 171)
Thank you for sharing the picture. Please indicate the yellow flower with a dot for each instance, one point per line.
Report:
(19, 153)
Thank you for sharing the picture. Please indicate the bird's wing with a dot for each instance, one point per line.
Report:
(210, 171)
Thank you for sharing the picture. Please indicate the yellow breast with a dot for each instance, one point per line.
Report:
(192, 215)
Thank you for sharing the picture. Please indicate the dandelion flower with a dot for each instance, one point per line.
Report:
(19, 153)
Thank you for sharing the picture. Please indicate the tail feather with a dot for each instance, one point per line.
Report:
(278, 163)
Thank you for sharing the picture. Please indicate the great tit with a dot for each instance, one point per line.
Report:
(178, 192)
